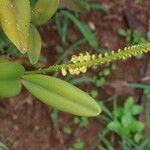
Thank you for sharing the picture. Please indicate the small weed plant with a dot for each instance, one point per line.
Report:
(124, 120)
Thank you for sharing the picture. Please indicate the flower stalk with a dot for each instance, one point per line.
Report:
(82, 62)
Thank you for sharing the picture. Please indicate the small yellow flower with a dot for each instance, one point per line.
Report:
(76, 71)
(81, 57)
(83, 69)
(106, 54)
(64, 72)
(112, 52)
(71, 71)
(93, 57)
(100, 55)
(87, 57)
(74, 59)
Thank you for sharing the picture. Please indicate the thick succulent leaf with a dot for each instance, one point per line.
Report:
(61, 95)
(44, 10)
(9, 88)
(10, 71)
(15, 21)
(34, 45)
(76, 5)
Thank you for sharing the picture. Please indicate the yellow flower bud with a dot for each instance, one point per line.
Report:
(64, 72)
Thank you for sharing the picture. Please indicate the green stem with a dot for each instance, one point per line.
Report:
(121, 54)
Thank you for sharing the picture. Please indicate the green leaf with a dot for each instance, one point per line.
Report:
(137, 126)
(76, 5)
(99, 6)
(100, 82)
(138, 137)
(61, 95)
(84, 29)
(44, 10)
(76, 120)
(9, 70)
(122, 131)
(114, 125)
(84, 122)
(34, 45)
(78, 145)
(15, 23)
(126, 120)
(67, 130)
(122, 32)
(129, 103)
(81, 121)
(10, 84)
(118, 112)
(9, 88)
(136, 109)
(117, 127)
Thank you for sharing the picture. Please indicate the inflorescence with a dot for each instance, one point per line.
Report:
(80, 64)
